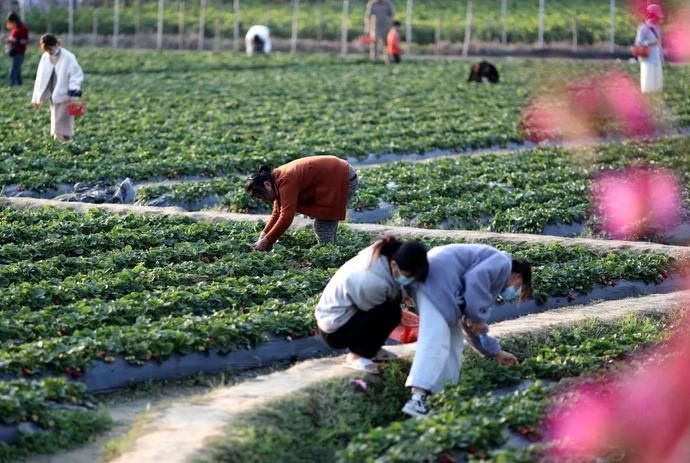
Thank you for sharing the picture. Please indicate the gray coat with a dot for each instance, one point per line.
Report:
(383, 13)
(466, 279)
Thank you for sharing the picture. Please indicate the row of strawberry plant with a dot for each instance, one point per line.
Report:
(522, 192)
(46, 415)
(140, 303)
(247, 114)
(343, 421)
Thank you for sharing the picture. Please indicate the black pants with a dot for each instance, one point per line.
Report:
(396, 58)
(366, 331)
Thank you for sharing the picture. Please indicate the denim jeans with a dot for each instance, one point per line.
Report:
(16, 69)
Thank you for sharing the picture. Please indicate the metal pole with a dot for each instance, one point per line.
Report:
(408, 25)
(70, 23)
(575, 39)
(159, 28)
(217, 35)
(345, 26)
(437, 35)
(94, 26)
(613, 26)
(116, 23)
(295, 25)
(541, 24)
(236, 25)
(137, 22)
(202, 23)
(468, 29)
(504, 22)
(180, 25)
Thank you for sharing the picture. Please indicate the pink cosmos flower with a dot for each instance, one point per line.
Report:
(604, 104)
(677, 37)
(637, 202)
(644, 412)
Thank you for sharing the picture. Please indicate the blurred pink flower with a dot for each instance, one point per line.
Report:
(604, 104)
(637, 202)
(677, 37)
(359, 383)
(643, 412)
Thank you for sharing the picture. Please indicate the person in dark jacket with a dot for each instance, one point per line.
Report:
(484, 72)
(16, 46)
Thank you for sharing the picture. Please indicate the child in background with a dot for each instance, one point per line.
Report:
(393, 43)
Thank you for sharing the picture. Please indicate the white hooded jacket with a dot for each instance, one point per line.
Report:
(68, 75)
(355, 286)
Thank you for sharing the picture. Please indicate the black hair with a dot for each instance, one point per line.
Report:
(397, 23)
(14, 18)
(255, 183)
(49, 40)
(410, 255)
(524, 269)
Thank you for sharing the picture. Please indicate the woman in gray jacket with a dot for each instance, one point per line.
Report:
(360, 306)
(454, 302)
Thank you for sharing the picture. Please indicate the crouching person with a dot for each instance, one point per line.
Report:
(317, 186)
(454, 303)
(258, 41)
(360, 306)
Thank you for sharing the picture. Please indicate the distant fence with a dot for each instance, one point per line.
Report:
(431, 24)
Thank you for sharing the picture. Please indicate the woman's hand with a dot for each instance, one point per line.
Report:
(506, 358)
(37, 105)
(262, 245)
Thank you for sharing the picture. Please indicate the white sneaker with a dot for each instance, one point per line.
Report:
(417, 406)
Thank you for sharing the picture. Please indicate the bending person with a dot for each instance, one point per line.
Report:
(318, 186)
(454, 303)
(258, 41)
(360, 306)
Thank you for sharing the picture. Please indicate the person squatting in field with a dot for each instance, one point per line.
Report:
(454, 303)
(360, 306)
(317, 186)
(58, 80)
(258, 41)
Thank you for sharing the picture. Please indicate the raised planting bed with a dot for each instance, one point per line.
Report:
(544, 190)
(45, 416)
(146, 120)
(494, 413)
(78, 289)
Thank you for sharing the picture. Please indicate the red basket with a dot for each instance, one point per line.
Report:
(76, 109)
(408, 329)
(365, 39)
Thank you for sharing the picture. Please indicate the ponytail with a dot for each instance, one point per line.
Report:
(255, 183)
(409, 255)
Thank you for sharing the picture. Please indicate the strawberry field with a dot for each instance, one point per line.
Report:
(251, 112)
(82, 290)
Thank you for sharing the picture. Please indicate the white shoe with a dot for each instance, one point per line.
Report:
(417, 406)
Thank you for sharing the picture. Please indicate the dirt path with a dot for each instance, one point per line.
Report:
(678, 252)
(178, 431)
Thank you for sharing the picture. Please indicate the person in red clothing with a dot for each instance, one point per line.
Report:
(17, 42)
(317, 186)
(393, 43)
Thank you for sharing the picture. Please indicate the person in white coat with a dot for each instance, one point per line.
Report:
(649, 36)
(454, 303)
(58, 80)
(360, 306)
(258, 40)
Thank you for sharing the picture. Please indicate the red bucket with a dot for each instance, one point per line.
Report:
(408, 329)
(76, 109)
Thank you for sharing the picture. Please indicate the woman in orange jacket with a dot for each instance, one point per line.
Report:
(318, 186)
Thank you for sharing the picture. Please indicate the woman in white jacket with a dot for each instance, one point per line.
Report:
(58, 80)
(258, 40)
(649, 36)
(360, 306)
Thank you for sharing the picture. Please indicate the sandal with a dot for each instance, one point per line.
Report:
(362, 364)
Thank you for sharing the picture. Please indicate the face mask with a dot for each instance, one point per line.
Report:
(510, 294)
(403, 280)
